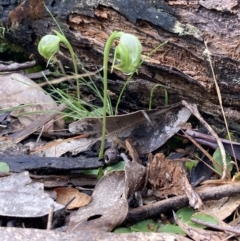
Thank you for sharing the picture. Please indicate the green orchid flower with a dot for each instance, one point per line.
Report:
(128, 57)
(127, 54)
(49, 45)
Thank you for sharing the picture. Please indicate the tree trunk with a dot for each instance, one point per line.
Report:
(182, 66)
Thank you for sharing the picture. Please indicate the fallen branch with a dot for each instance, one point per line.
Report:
(155, 209)
(16, 66)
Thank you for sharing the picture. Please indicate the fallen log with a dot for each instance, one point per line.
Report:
(192, 28)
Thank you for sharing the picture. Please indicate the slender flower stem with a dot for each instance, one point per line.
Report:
(107, 48)
(75, 68)
(73, 56)
(69, 46)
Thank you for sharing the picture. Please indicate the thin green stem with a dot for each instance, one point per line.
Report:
(69, 46)
(75, 68)
(121, 93)
(151, 96)
(107, 48)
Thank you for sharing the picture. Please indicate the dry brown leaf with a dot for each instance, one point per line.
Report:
(148, 130)
(64, 195)
(223, 207)
(108, 199)
(16, 90)
(168, 177)
(59, 147)
(21, 197)
(109, 206)
(132, 151)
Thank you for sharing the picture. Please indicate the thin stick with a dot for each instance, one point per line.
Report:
(68, 77)
(16, 66)
(50, 217)
(215, 226)
(155, 209)
(220, 102)
(205, 153)
(194, 110)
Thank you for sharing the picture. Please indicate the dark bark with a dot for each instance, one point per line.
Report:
(49, 164)
(180, 65)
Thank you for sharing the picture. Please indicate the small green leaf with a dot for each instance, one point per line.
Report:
(190, 164)
(4, 167)
(184, 214)
(122, 230)
(90, 172)
(204, 217)
(117, 167)
(171, 228)
(218, 157)
(147, 225)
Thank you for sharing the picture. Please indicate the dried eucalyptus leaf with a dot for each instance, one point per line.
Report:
(148, 130)
(19, 197)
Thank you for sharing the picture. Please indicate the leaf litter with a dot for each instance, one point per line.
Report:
(21, 197)
(146, 132)
(27, 100)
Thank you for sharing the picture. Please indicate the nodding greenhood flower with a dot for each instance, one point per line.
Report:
(128, 57)
(49, 45)
(127, 53)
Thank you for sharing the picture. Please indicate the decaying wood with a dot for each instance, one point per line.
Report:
(181, 65)
(31, 163)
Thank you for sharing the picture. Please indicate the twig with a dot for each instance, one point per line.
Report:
(220, 102)
(69, 77)
(204, 152)
(194, 110)
(215, 226)
(50, 217)
(38, 75)
(16, 66)
(155, 209)
(39, 136)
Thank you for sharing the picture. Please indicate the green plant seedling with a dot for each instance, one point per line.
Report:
(49, 46)
(151, 96)
(129, 78)
(127, 58)
(190, 164)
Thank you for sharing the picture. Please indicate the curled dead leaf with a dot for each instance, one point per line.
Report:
(64, 195)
